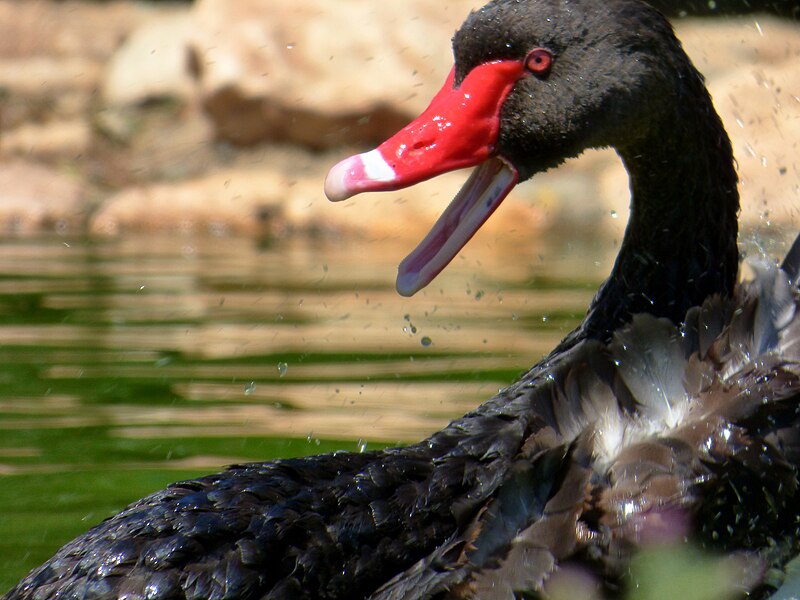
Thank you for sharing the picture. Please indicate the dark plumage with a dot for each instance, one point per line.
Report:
(783, 8)
(677, 389)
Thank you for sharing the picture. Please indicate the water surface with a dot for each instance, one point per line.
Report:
(129, 363)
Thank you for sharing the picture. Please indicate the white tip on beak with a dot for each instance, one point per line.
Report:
(359, 173)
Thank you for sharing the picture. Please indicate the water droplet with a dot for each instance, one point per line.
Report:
(614, 214)
(361, 445)
(411, 329)
(426, 341)
(514, 317)
(290, 46)
(282, 368)
(249, 388)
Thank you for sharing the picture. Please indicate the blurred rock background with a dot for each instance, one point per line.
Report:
(224, 116)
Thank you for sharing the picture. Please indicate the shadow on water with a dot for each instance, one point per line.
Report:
(129, 363)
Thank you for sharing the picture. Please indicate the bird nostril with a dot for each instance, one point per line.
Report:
(421, 146)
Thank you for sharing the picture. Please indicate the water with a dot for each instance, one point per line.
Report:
(129, 363)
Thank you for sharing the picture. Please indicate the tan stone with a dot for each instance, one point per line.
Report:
(69, 138)
(300, 76)
(751, 70)
(280, 70)
(152, 63)
(321, 73)
(221, 202)
(34, 197)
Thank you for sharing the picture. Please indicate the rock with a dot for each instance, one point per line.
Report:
(49, 47)
(300, 78)
(758, 97)
(751, 70)
(270, 198)
(763, 116)
(66, 29)
(35, 198)
(153, 63)
(63, 138)
(682, 8)
(312, 74)
(221, 202)
(36, 76)
(321, 73)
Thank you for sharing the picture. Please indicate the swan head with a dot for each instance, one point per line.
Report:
(535, 82)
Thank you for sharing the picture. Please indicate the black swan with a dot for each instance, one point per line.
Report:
(674, 399)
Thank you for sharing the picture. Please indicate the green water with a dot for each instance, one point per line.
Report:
(126, 364)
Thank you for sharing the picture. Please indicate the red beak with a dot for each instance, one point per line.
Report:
(459, 129)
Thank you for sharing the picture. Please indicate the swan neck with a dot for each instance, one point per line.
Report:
(680, 245)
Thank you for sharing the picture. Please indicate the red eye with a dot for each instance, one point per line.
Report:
(539, 62)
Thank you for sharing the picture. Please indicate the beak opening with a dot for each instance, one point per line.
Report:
(480, 196)
(459, 129)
